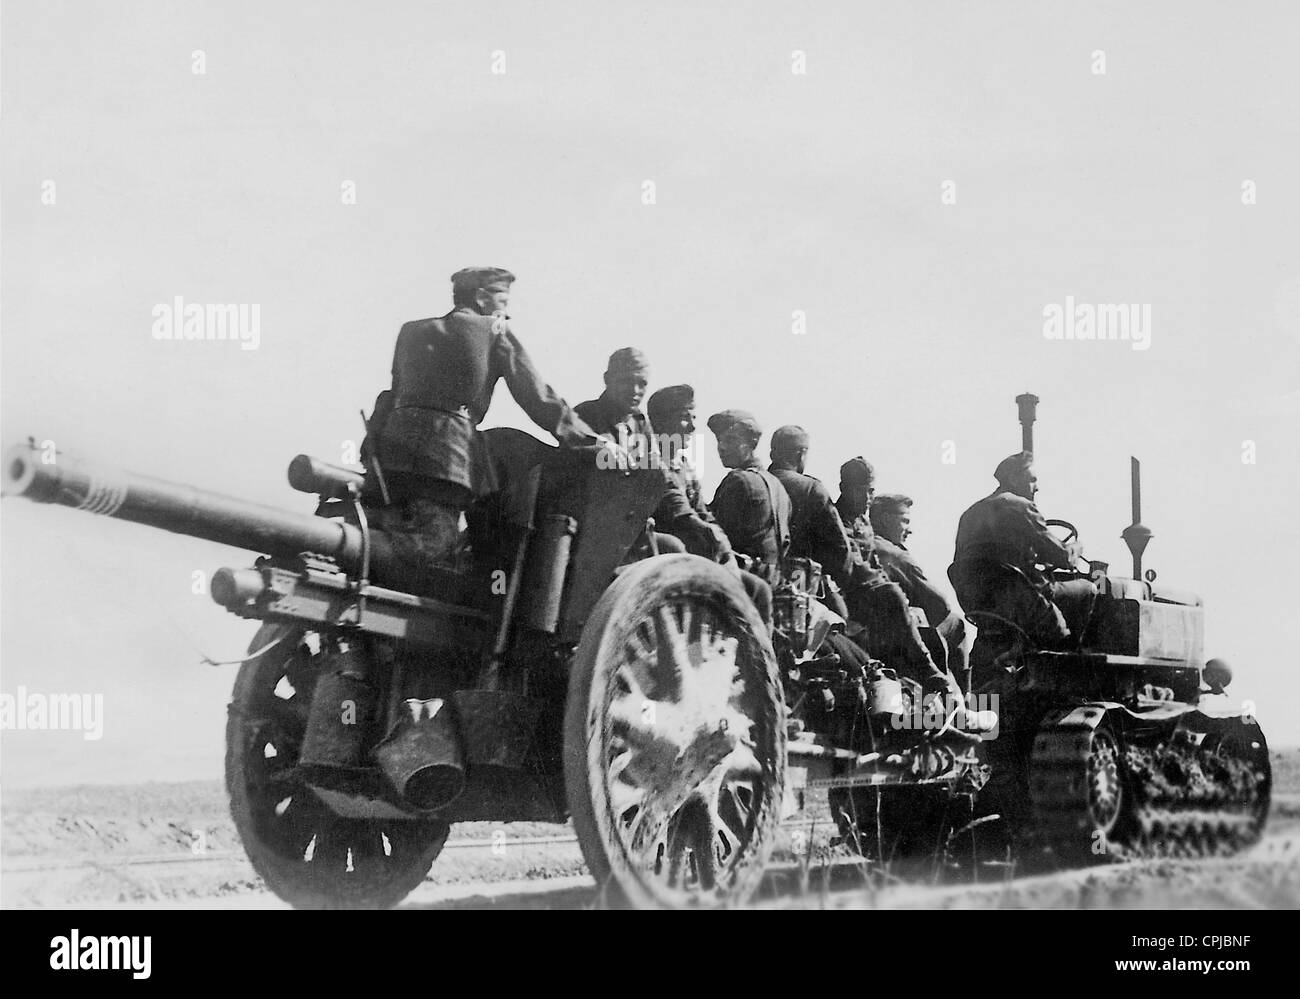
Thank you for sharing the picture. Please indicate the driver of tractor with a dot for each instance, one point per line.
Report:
(1001, 542)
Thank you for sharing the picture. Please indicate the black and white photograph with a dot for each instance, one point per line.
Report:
(621, 455)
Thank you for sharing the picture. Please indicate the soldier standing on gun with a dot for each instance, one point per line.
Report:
(424, 432)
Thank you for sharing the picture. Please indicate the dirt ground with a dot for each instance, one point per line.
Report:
(173, 845)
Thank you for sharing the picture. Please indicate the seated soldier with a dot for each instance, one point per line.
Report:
(816, 531)
(682, 511)
(424, 434)
(873, 600)
(1001, 541)
(891, 519)
(616, 414)
(750, 504)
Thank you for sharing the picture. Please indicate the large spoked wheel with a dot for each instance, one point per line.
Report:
(307, 854)
(674, 738)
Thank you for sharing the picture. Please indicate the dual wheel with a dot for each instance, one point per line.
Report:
(307, 854)
(674, 744)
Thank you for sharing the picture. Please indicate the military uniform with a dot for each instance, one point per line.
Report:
(879, 604)
(425, 428)
(753, 507)
(816, 530)
(1006, 530)
(604, 417)
(901, 567)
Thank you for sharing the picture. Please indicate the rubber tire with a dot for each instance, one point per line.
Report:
(291, 878)
(623, 605)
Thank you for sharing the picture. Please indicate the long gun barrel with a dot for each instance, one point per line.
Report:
(142, 499)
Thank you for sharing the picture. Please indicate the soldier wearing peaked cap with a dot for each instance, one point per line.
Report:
(424, 431)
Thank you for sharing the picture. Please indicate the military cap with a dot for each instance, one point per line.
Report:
(669, 400)
(857, 472)
(628, 361)
(1012, 465)
(789, 438)
(720, 423)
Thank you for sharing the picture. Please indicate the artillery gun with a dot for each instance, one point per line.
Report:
(562, 668)
(549, 673)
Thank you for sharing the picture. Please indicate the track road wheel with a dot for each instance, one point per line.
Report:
(674, 738)
(306, 854)
(1076, 783)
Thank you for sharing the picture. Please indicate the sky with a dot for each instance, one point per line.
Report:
(937, 177)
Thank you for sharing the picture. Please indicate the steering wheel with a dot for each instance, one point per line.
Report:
(1073, 532)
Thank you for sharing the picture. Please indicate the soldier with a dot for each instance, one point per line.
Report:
(1001, 540)
(750, 504)
(891, 520)
(616, 413)
(424, 431)
(682, 511)
(816, 531)
(873, 600)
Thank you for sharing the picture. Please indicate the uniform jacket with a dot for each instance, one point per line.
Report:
(604, 418)
(901, 566)
(816, 531)
(753, 508)
(1004, 527)
(444, 372)
(864, 563)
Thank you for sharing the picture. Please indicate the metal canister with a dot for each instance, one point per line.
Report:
(548, 562)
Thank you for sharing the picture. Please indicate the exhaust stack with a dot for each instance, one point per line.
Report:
(1028, 405)
(1137, 535)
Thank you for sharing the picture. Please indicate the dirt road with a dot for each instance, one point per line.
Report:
(166, 846)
